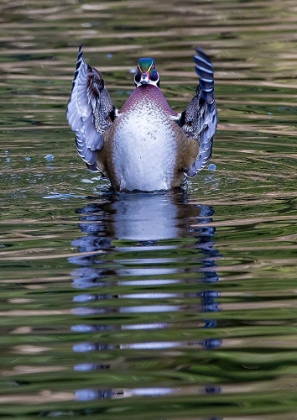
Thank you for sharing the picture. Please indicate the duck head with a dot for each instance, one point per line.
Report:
(146, 73)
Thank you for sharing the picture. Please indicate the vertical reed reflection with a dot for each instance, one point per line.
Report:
(141, 263)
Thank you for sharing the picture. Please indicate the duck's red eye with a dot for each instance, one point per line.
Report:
(153, 66)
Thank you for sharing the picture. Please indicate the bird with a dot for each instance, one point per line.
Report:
(144, 145)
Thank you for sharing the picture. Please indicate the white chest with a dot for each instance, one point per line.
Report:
(144, 149)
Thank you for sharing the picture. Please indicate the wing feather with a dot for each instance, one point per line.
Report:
(90, 111)
(199, 120)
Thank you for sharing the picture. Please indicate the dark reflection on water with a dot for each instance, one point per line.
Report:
(149, 303)
(138, 242)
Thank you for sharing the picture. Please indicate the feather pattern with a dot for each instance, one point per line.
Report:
(146, 145)
(199, 119)
(90, 111)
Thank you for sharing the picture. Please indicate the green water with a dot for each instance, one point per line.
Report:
(179, 305)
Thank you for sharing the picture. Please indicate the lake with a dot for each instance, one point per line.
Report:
(175, 305)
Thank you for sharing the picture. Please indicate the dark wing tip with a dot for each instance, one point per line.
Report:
(203, 55)
(79, 59)
(204, 70)
(80, 52)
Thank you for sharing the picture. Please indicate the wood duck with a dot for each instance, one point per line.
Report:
(145, 145)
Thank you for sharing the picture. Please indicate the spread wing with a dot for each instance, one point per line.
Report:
(199, 119)
(90, 110)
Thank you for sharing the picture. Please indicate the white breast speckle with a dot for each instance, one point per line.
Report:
(144, 149)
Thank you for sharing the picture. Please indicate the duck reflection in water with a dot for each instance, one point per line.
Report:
(154, 255)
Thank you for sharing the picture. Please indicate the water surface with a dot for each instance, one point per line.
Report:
(175, 305)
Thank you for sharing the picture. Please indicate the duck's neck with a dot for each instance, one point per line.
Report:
(148, 94)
